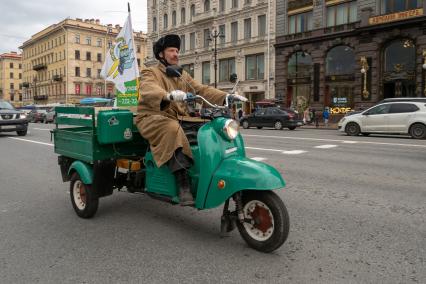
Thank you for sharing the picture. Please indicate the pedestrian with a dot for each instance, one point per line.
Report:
(240, 114)
(306, 116)
(314, 117)
(325, 116)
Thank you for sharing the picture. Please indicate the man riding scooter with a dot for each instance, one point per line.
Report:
(161, 107)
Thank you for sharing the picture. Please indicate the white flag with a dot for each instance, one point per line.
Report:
(120, 64)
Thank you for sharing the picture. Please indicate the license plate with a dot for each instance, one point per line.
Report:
(8, 127)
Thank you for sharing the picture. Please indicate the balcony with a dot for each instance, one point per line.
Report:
(40, 97)
(204, 16)
(40, 66)
(26, 85)
(57, 78)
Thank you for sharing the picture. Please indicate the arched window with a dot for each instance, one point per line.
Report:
(192, 11)
(206, 5)
(182, 16)
(300, 65)
(340, 61)
(165, 21)
(174, 18)
(400, 55)
(154, 24)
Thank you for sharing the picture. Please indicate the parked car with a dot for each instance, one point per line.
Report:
(49, 116)
(394, 117)
(271, 117)
(12, 120)
(36, 115)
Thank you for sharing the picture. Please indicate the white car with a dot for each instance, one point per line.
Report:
(397, 116)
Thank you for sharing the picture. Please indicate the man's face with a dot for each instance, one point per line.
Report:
(171, 55)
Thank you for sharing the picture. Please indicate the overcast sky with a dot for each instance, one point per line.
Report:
(22, 18)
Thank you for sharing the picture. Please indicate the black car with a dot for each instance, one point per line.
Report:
(272, 117)
(12, 120)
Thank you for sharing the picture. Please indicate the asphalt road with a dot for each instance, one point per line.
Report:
(357, 210)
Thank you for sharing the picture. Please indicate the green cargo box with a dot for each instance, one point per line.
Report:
(81, 140)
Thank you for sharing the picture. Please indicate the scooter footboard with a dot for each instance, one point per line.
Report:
(239, 173)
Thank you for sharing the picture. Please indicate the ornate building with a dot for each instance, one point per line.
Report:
(349, 54)
(220, 37)
(62, 63)
(11, 77)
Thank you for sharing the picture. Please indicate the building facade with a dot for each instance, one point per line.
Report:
(11, 77)
(233, 34)
(349, 54)
(62, 63)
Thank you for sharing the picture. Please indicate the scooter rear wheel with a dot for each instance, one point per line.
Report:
(84, 200)
(267, 222)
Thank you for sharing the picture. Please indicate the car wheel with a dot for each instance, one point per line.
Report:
(352, 129)
(22, 132)
(84, 200)
(292, 127)
(278, 125)
(418, 131)
(259, 127)
(246, 124)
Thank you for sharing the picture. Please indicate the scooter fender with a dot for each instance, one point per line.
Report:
(84, 170)
(240, 173)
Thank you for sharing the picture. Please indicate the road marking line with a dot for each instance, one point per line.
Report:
(288, 152)
(32, 141)
(336, 140)
(325, 146)
(349, 142)
(264, 149)
(294, 152)
(42, 129)
(259, 159)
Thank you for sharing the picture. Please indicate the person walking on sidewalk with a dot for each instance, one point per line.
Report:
(325, 116)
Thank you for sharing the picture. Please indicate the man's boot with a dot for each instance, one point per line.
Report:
(185, 195)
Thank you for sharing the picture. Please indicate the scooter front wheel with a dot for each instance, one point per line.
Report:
(267, 223)
(84, 200)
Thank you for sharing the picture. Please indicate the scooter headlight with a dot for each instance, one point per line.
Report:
(231, 129)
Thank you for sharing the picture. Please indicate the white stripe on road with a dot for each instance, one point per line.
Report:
(259, 159)
(349, 142)
(294, 152)
(335, 140)
(32, 141)
(325, 146)
(42, 129)
(289, 152)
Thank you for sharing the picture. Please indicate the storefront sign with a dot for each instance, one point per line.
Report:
(395, 17)
(340, 110)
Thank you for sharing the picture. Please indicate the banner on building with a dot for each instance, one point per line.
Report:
(121, 68)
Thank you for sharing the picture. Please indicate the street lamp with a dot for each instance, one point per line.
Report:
(213, 37)
(424, 72)
(364, 69)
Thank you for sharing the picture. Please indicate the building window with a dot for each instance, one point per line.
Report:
(154, 24)
(206, 38)
(11, 65)
(20, 66)
(182, 44)
(88, 40)
(299, 65)
(393, 6)
(206, 5)
(88, 72)
(234, 32)
(11, 75)
(12, 86)
(77, 39)
(300, 23)
(222, 34)
(189, 68)
(99, 42)
(89, 89)
(109, 44)
(99, 57)
(226, 68)
(182, 16)
(261, 25)
(165, 21)
(234, 4)
(222, 5)
(192, 41)
(77, 71)
(247, 28)
(99, 73)
(400, 56)
(138, 48)
(139, 62)
(20, 75)
(192, 12)
(77, 54)
(174, 19)
(342, 14)
(340, 61)
(88, 56)
(255, 67)
(206, 72)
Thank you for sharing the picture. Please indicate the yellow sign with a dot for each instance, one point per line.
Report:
(340, 110)
(395, 17)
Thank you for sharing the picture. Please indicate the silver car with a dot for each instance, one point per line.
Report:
(390, 117)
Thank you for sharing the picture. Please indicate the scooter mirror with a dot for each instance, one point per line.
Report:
(174, 71)
(233, 78)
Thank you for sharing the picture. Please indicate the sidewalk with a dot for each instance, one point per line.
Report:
(331, 126)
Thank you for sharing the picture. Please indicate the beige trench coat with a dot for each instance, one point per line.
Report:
(158, 120)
